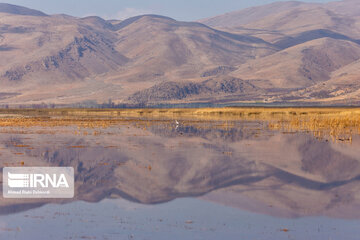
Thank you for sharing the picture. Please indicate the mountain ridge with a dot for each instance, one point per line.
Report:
(282, 52)
(18, 10)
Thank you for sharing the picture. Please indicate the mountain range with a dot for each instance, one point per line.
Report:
(284, 52)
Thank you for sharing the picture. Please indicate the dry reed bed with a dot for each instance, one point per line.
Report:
(335, 122)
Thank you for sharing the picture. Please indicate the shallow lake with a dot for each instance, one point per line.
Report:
(167, 179)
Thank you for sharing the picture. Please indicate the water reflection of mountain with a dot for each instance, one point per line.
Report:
(279, 174)
(229, 131)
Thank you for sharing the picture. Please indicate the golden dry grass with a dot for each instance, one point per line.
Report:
(338, 123)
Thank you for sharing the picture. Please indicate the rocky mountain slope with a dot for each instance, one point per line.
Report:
(285, 51)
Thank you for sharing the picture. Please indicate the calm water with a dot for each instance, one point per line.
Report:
(195, 180)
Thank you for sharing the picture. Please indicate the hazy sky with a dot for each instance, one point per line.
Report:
(120, 9)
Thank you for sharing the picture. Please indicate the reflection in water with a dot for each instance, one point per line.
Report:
(279, 170)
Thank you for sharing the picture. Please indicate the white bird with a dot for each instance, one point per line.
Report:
(177, 123)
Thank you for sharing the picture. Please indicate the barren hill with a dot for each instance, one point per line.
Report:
(18, 10)
(64, 60)
(291, 17)
(277, 52)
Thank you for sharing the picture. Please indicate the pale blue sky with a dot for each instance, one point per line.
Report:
(178, 9)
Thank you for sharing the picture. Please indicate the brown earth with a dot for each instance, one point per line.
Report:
(281, 52)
